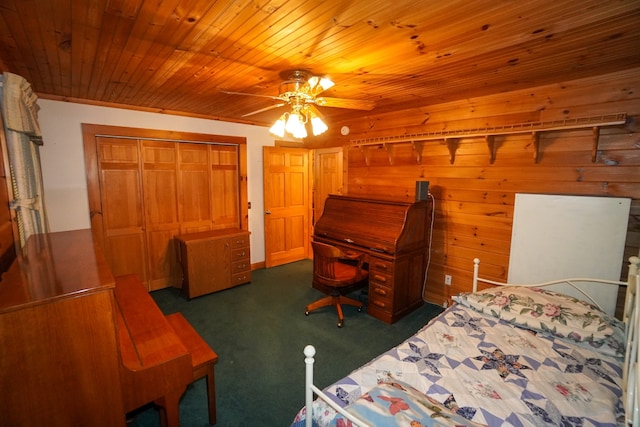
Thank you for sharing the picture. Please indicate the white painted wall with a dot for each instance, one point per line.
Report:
(63, 169)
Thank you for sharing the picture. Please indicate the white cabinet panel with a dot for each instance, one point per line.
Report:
(569, 236)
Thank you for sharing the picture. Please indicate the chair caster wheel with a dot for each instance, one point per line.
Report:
(360, 309)
(306, 313)
(340, 324)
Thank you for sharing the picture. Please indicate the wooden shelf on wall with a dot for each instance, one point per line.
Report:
(452, 137)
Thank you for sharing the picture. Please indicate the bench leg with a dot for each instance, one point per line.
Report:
(168, 406)
(208, 373)
(203, 358)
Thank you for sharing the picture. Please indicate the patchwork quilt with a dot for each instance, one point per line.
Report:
(470, 368)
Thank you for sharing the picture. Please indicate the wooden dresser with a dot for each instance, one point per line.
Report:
(214, 260)
(393, 235)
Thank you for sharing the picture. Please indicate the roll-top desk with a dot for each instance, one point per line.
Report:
(394, 237)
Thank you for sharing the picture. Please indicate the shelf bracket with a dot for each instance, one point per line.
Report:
(389, 148)
(452, 145)
(535, 138)
(596, 139)
(490, 139)
(417, 148)
(367, 154)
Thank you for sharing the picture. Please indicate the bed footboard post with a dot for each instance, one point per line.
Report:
(476, 265)
(634, 265)
(309, 352)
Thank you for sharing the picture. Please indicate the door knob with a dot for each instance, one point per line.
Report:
(267, 212)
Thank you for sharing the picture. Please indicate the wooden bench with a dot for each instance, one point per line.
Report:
(156, 365)
(203, 358)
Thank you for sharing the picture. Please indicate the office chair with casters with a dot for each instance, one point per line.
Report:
(338, 277)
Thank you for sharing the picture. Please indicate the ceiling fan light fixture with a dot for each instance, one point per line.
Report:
(318, 126)
(325, 83)
(295, 125)
(319, 84)
(278, 127)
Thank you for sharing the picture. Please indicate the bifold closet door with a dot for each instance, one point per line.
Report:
(162, 222)
(154, 190)
(122, 206)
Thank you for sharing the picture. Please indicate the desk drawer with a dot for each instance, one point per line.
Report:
(380, 265)
(380, 301)
(381, 279)
(240, 254)
(239, 242)
(382, 292)
(240, 278)
(240, 266)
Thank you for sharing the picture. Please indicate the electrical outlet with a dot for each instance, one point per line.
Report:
(447, 280)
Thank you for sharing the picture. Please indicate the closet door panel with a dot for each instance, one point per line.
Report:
(225, 186)
(160, 184)
(126, 254)
(122, 206)
(164, 267)
(195, 188)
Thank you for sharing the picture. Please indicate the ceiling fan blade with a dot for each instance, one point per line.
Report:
(265, 109)
(353, 104)
(251, 94)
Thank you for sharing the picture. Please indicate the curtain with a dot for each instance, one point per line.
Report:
(23, 140)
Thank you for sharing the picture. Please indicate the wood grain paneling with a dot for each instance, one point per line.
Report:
(474, 196)
(177, 56)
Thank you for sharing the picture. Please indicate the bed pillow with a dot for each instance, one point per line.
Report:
(395, 403)
(552, 312)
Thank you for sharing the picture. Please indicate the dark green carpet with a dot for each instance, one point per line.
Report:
(259, 331)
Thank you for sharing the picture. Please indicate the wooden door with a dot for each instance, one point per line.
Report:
(195, 196)
(160, 188)
(225, 183)
(286, 202)
(328, 177)
(209, 187)
(122, 207)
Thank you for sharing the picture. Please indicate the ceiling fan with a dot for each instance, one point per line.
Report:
(300, 90)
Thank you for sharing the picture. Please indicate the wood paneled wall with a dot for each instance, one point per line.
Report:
(474, 197)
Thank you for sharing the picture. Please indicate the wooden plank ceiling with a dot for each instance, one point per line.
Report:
(178, 55)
